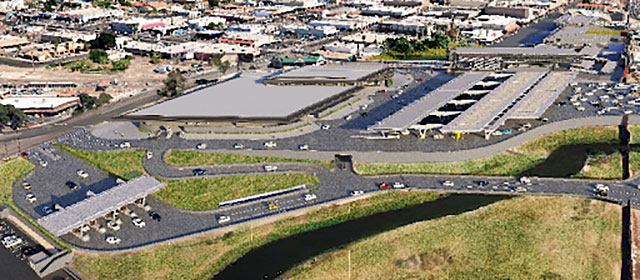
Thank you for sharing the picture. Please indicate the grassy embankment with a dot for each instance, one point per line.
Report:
(123, 164)
(10, 172)
(520, 238)
(603, 166)
(604, 32)
(201, 257)
(191, 158)
(508, 163)
(193, 194)
(206, 193)
(431, 54)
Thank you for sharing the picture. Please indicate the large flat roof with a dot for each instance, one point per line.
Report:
(333, 72)
(243, 97)
(515, 51)
(37, 102)
(94, 207)
(478, 116)
(429, 103)
(538, 100)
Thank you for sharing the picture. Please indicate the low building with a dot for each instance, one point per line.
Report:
(297, 60)
(8, 41)
(42, 105)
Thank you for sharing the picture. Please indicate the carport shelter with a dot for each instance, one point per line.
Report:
(96, 206)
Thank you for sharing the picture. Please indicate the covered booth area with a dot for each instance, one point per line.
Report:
(77, 218)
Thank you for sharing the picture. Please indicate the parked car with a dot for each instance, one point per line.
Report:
(43, 163)
(199, 172)
(303, 147)
(348, 117)
(270, 144)
(398, 185)
(155, 216)
(25, 155)
(138, 222)
(356, 193)
(325, 127)
(130, 213)
(112, 240)
(26, 185)
(83, 174)
(31, 197)
(273, 206)
(447, 184)
(71, 185)
(384, 185)
(149, 155)
(201, 146)
(238, 146)
(224, 219)
(309, 197)
(111, 224)
(47, 210)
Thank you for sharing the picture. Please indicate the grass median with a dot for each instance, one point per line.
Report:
(521, 238)
(206, 193)
(124, 164)
(508, 163)
(204, 256)
(605, 166)
(190, 158)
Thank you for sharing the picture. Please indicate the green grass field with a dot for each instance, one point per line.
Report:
(124, 164)
(604, 32)
(508, 163)
(204, 256)
(9, 173)
(206, 193)
(190, 158)
(610, 166)
(520, 238)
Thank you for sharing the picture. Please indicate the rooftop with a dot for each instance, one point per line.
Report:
(94, 207)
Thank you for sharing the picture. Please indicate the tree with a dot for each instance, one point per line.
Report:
(11, 116)
(214, 3)
(155, 58)
(418, 46)
(103, 99)
(173, 84)
(222, 66)
(104, 41)
(99, 56)
(87, 101)
(438, 40)
(122, 64)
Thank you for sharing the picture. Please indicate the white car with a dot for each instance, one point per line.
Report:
(149, 155)
(238, 146)
(31, 197)
(130, 213)
(521, 189)
(113, 225)
(525, 180)
(325, 127)
(309, 197)
(270, 144)
(83, 174)
(137, 221)
(303, 147)
(270, 168)
(356, 193)
(224, 219)
(11, 241)
(125, 145)
(201, 146)
(43, 163)
(26, 185)
(398, 185)
(447, 184)
(112, 240)
(348, 117)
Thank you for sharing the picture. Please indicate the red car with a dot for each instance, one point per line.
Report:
(384, 185)
(383, 91)
(25, 155)
(420, 80)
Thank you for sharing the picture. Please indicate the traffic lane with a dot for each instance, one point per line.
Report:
(48, 183)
